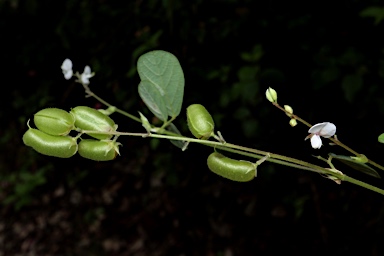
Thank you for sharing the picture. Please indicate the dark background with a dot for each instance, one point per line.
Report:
(324, 58)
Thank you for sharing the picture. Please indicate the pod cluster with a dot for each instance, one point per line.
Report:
(52, 137)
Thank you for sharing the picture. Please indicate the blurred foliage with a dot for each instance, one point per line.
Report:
(375, 12)
(325, 60)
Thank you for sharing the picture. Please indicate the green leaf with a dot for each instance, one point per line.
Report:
(153, 99)
(178, 143)
(374, 12)
(355, 164)
(381, 138)
(161, 70)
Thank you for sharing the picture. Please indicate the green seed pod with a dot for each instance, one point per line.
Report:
(87, 118)
(54, 121)
(200, 122)
(99, 150)
(46, 144)
(230, 168)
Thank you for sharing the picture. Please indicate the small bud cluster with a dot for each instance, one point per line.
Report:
(325, 129)
(271, 95)
(289, 112)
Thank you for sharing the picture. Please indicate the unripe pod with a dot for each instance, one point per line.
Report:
(46, 144)
(230, 168)
(99, 150)
(54, 121)
(87, 118)
(200, 122)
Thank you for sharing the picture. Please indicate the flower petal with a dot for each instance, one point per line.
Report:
(67, 74)
(316, 141)
(86, 75)
(317, 128)
(87, 70)
(67, 65)
(328, 130)
(84, 78)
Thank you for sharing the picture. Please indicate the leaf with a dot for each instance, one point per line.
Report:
(153, 99)
(178, 143)
(161, 70)
(356, 165)
(374, 12)
(381, 138)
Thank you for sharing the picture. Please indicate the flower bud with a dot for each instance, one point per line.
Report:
(87, 118)
(271, 95)
(289, 110)
(46, 144)
(145, 122)
(200, 122)
(293, 122)
(54, 121)
(360, 159)
(99, 150)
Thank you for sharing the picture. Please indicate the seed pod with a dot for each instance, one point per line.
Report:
(230, 168)
(46, 144)
(200, 122)
(54, 121)
(87, 118)
(99, 150)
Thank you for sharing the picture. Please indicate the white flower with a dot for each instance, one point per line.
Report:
(66, 67)
(84, 77)
(325, 129)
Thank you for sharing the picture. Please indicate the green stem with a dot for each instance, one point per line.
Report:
(124, 113)
(91, 94)
(363, 184)
(292, 115)
(272, 160)
(275, 158)
(214, 144)
(235, 149)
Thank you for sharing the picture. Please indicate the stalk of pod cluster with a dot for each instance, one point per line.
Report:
(51, 136)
